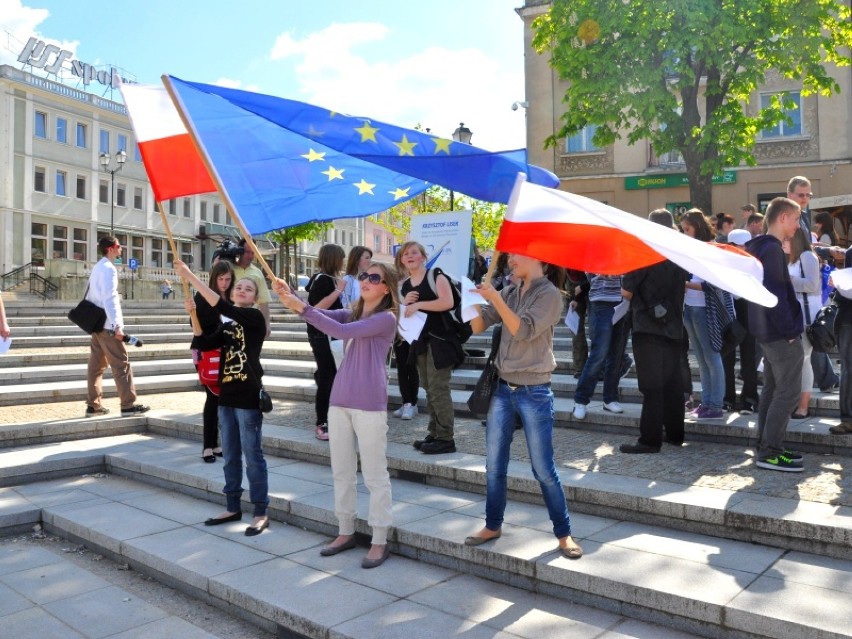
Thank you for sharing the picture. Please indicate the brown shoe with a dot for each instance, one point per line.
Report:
(571, 552)
(843, 428)
(476, 540)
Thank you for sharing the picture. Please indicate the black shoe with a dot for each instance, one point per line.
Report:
(136, 409)
(418, 444)
(215, 521)
(748, 408)
(638, 449)
(93, 412)
(673, 442)
(438, 447)
(830, 389)
(252, 531)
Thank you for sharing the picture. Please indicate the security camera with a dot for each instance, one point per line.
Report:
(515, 105)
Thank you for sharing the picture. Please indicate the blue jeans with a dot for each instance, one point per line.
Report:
(240, 429)
(710, 365)
(534, 404)
(604, 354)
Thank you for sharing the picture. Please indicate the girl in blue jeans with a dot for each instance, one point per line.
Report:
(240, 374)
(528, 309)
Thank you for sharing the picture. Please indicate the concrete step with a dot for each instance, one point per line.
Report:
(278, 580)
(689, 581)
(294, 380)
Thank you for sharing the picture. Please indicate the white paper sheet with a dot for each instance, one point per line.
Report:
(842, 280)
(470, 299)
(620, 311)
(572, 320)
(411, 327)
(5, 345)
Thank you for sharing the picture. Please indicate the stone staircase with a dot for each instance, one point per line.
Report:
(664, 559)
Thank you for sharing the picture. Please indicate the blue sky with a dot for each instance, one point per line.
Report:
(436, 63)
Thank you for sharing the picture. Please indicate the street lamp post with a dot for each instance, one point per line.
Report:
(120, 159)
(463, 135)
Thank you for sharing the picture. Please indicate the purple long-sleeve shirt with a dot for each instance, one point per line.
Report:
(362, 381)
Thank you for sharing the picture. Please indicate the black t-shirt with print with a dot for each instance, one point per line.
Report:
(240, 372)
(320, 286)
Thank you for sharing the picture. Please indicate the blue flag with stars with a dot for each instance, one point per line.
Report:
(478, 173)
(276, 178)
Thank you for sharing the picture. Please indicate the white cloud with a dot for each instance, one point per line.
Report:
(437, 87)
(230, 83)
(19, 24)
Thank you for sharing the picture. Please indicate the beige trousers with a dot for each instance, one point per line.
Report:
(107, 349)
(348, 427)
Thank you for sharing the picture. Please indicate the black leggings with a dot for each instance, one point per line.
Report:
(324, 377)
(211, 420)
(407, 375)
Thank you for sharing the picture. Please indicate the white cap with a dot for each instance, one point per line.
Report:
(739, 237)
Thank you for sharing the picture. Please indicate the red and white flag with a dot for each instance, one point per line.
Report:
(580, 233)
(174, 166)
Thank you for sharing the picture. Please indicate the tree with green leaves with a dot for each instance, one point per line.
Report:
(681, 73)
(292, 236)
(487, 216)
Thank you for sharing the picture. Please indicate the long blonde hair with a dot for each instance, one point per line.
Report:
(390, 301)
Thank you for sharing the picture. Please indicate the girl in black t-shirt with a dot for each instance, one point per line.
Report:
(324, 292)
(240, 381)
(221, 281)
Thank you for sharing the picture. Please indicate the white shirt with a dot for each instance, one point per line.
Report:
(103, 292)
(806, 278)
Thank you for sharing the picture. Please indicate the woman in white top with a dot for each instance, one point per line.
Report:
(359, 260)
(807, 283)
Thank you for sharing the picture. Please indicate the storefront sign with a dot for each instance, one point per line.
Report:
(38, 54)
(668, 180)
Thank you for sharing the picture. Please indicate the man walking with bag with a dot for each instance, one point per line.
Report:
(107, 344)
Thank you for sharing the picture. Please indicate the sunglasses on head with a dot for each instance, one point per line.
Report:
(374, 278)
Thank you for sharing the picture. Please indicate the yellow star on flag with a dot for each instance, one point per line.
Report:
(405, 147)
(441, 144)
(333, 174)
(399, 193)
(364, 187)
(367, 132)
(312, 156)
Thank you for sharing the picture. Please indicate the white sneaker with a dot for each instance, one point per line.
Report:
(398, 412)
(614, 407)
(408, 411)
(579, 411)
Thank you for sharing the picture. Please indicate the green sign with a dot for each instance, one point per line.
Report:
(668, 180)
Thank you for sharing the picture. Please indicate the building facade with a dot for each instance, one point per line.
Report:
(818, 144)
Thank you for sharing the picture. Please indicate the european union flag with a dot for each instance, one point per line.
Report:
(277, 178)
(461, 167)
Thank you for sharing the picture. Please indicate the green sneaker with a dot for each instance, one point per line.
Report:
(792, 455)
(780, 462)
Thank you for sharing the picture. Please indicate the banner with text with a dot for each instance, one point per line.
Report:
(446, 237)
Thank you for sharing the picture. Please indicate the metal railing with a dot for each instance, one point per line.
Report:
(42, 287)
(15, 277)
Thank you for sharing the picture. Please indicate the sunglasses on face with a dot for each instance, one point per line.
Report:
(374, 278)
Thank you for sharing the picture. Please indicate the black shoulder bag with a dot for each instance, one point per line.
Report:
(480, 399)
(264, 401)
(88, 316)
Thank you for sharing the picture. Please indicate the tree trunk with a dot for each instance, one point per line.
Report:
(701, 191)
(284, 247)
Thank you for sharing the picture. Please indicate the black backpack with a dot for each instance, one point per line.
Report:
(453, 317)
(821, 331)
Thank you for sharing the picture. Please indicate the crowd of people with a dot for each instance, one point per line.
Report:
(352, 311)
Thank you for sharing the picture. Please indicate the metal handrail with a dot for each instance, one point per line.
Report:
(42, 287)
(18, 275)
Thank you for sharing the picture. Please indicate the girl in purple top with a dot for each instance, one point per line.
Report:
(358, 404)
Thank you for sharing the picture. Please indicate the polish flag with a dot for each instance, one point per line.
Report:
(174, 166)
(583, 234)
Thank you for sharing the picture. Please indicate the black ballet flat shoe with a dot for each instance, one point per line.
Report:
(219, 454)
(215, 521)
(208, 459)
(252, 531)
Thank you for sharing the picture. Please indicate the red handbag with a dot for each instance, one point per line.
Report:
(207, 364)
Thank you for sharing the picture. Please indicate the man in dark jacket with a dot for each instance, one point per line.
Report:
(656, 303)
(779, 331)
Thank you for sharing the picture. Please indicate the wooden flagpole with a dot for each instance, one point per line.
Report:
(216, 180)
(490, 273)
(192, 315)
